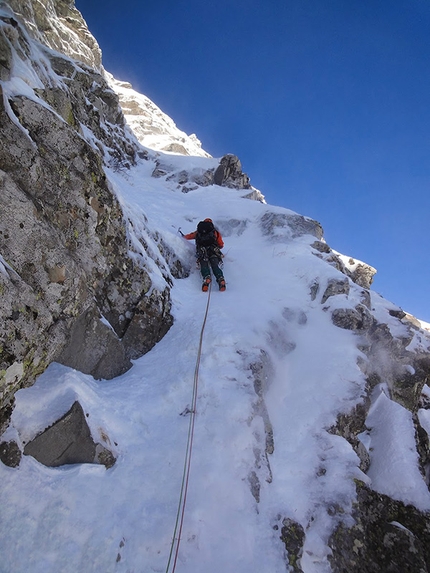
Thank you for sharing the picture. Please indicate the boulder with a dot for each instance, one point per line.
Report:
(362, 274)
(10, 454)
(334, 287)
(68, 441)
(358, 318)
(321, 247)
(92, 347)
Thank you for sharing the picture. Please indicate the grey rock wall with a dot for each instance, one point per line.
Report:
(69, 290)
(58, 25)
(387, 536)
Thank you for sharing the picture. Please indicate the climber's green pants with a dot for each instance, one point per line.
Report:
(210, 259)
(213, 263)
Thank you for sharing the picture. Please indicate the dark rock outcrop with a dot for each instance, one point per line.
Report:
(357, 318)
(387, 536)
(293, 537)
(334, 287)
(229, 173)
(68, 441)
(10, 454)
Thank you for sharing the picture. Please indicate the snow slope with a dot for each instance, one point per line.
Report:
(86, 518)
(121, 520)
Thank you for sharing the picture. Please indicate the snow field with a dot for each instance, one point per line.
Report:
(86, 518)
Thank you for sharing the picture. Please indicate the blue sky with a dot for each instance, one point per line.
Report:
(325, 102)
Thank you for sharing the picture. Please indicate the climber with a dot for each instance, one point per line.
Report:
(208, 252)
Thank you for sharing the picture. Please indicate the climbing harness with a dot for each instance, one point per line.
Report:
(174, 549)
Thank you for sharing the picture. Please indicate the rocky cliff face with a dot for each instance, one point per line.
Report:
(60, 26)
(72, 289)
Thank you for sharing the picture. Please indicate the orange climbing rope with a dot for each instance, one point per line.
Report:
(174, 549)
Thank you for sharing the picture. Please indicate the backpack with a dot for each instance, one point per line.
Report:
(205, 234)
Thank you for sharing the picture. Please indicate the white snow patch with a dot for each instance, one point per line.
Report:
(394, 467)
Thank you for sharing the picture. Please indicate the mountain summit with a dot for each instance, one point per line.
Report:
(285, 421)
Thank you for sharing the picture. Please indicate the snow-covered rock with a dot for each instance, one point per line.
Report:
(58, 25)
(152, 127)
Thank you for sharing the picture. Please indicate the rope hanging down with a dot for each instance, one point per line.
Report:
(174, 549)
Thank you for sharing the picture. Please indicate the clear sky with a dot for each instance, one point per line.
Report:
(325, 102)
